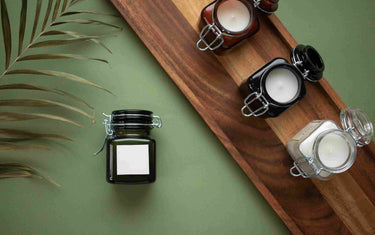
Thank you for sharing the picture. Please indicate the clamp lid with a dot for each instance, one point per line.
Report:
(358, 125)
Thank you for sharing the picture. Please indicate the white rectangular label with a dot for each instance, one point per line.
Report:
(133, 160)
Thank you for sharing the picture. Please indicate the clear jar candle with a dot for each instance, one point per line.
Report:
(279, 85)
(321, 149)
(131, 150)
(225, 23)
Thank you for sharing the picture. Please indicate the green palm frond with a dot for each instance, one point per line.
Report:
(56, 13)
(16, 170)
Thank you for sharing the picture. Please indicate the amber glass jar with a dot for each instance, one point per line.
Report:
(225, 23)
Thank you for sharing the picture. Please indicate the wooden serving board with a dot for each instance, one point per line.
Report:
(345, 204)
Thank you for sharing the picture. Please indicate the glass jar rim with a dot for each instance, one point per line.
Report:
(352, 151)
(226, 31)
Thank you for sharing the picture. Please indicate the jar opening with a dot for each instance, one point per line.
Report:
(221, 17)
(308, 62)
(315, 58)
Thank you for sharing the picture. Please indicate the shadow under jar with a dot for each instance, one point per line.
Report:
(279, 85)
(131, 150)
(321, 149)
(225, 23)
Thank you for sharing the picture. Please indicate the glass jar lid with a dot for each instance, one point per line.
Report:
(358, 125)
(133, 119)
(266, 6)
(308, 61)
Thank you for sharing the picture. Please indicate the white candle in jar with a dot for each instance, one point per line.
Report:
(233, 15)
(282, 85)
(333, 150)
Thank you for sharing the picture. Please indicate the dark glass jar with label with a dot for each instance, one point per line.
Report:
(225, 23)
(279, 85)
(131, 150)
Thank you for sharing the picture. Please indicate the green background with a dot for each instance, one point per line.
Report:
(199, 188)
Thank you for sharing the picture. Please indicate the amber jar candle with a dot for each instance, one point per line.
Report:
(279, 85)
(225, 23)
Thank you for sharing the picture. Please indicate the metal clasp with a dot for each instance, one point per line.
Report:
(259, 111)
(156, 122)
(256, 3)
(305, 72)
(298, 165)
(208, 45)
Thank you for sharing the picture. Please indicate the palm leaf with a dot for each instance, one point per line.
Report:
(36, 19)
(59, 56)
(6, 33)
(10, 134)
(44, 89)
(56, 10)
(7, 116)
(75, 34)
(22, 26)
(64, 5)
(68, 13)
(15, 147)
(10, 173)
(13, 170)
(60, 42)
(73, 2)
(40, 102)
(51, 14)
(48, 12)
(85, 21)
(64, 75)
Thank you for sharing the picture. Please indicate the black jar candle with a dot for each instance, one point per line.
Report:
(279, 85)
(225, 23)
(131, 150)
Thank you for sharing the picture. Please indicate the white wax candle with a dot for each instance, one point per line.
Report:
(282, 85)
(306, 147)
(233, 15)
(333, 150)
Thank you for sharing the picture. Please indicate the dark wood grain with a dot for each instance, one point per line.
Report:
(169, 29)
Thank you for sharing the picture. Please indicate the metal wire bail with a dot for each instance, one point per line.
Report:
(297, 164)
(256, 3)
(208, 45)
(258, 112)
(156, 122)
(305, 73)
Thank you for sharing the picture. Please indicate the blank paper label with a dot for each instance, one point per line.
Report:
(133, 160)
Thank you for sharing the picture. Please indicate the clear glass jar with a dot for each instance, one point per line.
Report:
(131, 150)
(279, 85)
(225, 23)
(321, 149)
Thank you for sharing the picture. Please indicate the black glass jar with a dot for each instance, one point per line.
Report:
(218, 32)
(279, 85)
(131, 150)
